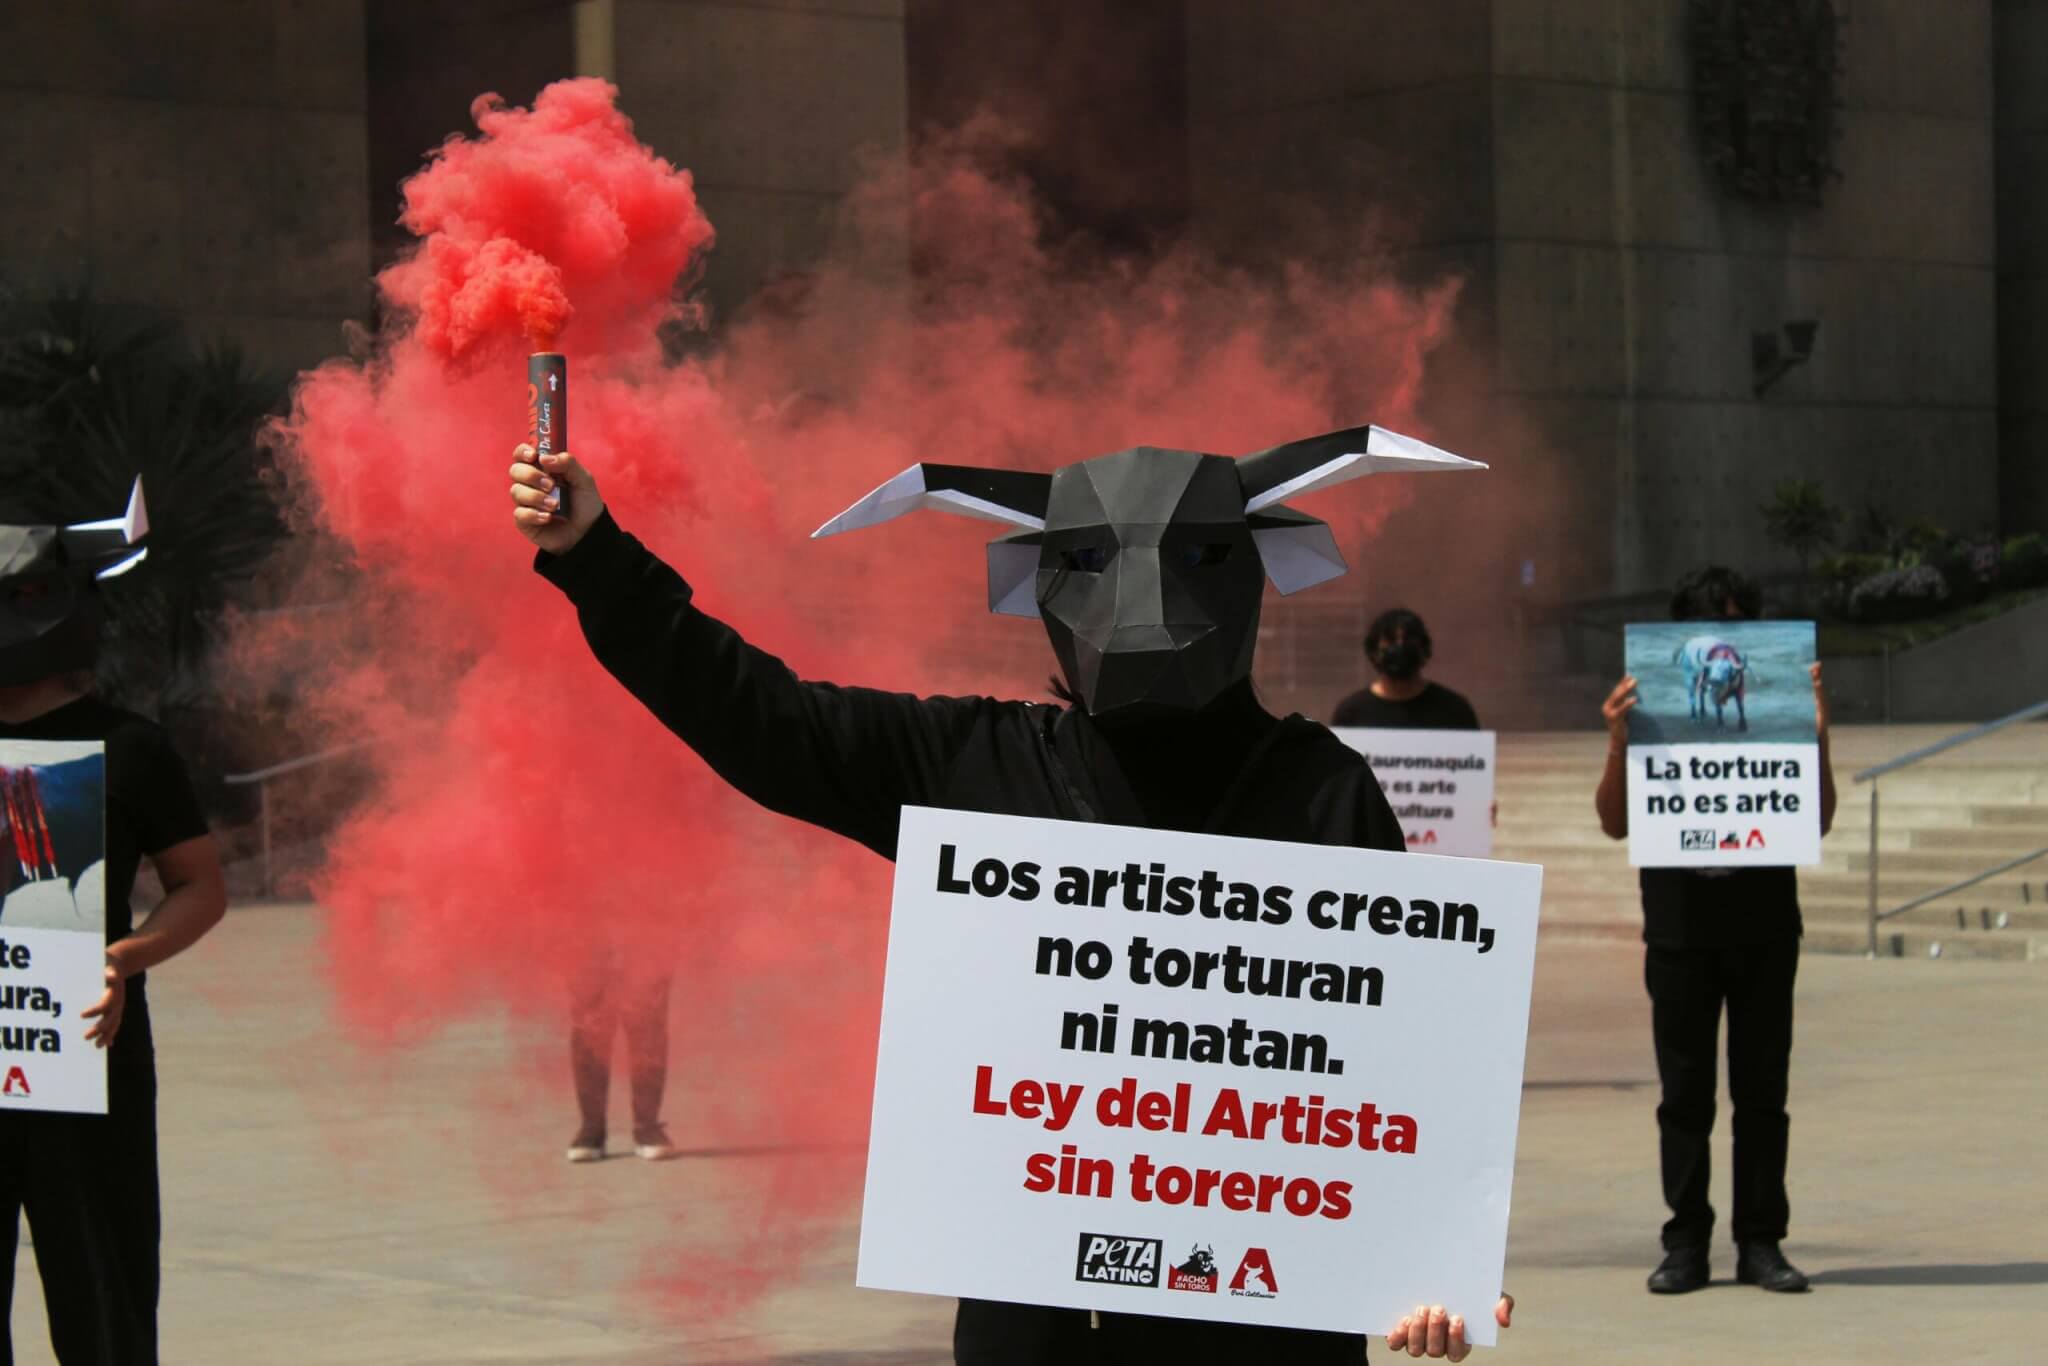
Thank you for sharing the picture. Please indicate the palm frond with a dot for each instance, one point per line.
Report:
(92, 395)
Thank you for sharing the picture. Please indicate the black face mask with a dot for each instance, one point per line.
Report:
(1148, 565)
(1400, 661)
(1148, 581)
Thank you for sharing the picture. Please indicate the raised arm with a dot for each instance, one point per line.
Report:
(847, 759)
(1827, 763)
(1610, 799)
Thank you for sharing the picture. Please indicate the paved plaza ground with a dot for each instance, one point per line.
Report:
(328, 1205)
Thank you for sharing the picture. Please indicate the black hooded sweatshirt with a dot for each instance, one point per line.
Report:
(849, 760)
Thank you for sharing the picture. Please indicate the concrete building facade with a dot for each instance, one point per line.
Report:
(1551, 151)
(236, 162)
(208, 160)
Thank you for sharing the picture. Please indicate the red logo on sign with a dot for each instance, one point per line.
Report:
(15, 1078)
(1756, 840)
(1255, 1275)
(1197, 1273)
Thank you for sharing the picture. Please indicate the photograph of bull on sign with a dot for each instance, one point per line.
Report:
(52, 834)
(1721, 682)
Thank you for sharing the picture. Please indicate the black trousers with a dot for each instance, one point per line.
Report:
(603, 1000)
(987, 1333)
(1688, 988)
(88, 1184)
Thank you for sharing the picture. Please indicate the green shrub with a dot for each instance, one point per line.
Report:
(1969, 568)
(1924, 541)
(1905, 594)
(1847, 570)
(1800, 518)
(2023, 561)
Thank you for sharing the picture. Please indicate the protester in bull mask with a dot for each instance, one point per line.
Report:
(1399, 648)
(1144, 568)
(1715, 937)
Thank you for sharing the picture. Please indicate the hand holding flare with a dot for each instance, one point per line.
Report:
(547, 410)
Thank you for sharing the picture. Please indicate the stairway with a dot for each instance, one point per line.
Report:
(1940, 821)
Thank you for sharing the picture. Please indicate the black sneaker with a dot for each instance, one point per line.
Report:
(1761, 1263)
(587, 1146)
(651, 1143)
(1683, 1269)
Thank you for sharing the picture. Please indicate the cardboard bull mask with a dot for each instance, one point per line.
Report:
(49, 611)
(1148, 565)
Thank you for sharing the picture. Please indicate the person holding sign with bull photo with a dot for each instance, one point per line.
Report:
(87, 1181)
(1147, 567)
(1718, 936)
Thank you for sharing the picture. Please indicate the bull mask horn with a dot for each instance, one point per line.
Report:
(109, 543)
(1299, 551)
(1017, 497)
(1014, 496)
(1272, 476)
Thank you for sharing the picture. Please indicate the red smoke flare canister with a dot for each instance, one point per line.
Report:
(547, 410)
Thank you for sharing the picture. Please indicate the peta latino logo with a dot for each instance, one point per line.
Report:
(1698, 839)
(1198, 1272)
(1104, 1260)
(1254, 1277)
(16, 1083)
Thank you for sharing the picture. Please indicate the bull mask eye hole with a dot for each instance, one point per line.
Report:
(1086, 559)
(1201, 556)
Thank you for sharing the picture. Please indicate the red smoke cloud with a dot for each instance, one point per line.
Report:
(526, 806)
(555, 214)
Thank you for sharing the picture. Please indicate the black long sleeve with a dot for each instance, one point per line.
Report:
(846, 759)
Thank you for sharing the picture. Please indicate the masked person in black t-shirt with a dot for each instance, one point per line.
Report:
(88, 1183)
(1718, 937)
(1147, 567)
(1399, 647)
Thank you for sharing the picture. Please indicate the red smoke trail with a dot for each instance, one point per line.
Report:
(526, 806)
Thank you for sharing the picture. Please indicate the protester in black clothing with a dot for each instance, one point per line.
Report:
(849, 759)
(88, 1183)
(1718, 937)
(1399, 647)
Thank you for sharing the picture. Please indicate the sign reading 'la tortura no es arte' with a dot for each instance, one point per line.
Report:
(1196, 1076)
(1723, 746)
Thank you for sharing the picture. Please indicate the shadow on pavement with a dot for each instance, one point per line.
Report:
(1586, 1085)
(1992, 1273)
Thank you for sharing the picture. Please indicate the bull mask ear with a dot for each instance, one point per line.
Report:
(1297, 551)
(1319, 462)
(109, 543)
(1014, 496)
(1013, 575)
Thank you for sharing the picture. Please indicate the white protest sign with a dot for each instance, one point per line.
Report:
(1723, 806)
(1723, 760)
(1196, 1076)
(52, 923)
(1439, 782)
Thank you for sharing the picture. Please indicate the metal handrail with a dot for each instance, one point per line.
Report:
(1871, 775)
(261, 778)
(294, 765)
(1961, 737)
